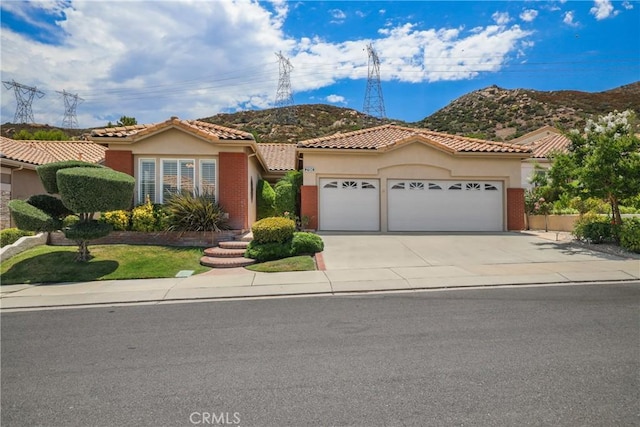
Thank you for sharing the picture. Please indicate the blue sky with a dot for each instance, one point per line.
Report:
(157, 59)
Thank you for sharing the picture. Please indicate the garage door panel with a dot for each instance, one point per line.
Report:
(421, 205)
(349, 204)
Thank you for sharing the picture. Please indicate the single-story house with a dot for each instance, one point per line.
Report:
(177, 155)
(18, 161)
(542, 142)
(396, 179)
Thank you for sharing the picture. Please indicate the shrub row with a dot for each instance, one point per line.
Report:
(9, 236)
(596, 229)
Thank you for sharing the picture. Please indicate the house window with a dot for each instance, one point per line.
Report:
(208, 179)
(177, 176)
(147, 182)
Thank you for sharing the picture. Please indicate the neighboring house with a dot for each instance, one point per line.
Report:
(18, 161)
(395, 179)
(177, 155)
(543, 142)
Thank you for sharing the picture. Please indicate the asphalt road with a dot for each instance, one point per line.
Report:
(556, 356)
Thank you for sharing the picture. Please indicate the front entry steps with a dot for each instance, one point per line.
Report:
(227, 255)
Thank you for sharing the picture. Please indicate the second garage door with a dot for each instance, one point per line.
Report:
(349, 204)
(425, 205)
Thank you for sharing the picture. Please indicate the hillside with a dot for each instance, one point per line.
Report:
(309, 121)
(492, 113)
(502, 114)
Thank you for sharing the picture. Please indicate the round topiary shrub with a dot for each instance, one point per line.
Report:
(47, 173)
(273, 229)
(95, 189)
(49, 204)
(266, 198)
(88, 230)
(306, 243)
(28, 217)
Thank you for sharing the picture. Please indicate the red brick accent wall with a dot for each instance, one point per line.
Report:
(515, 209)
(309, 205)
(233, 188)
(119, 160)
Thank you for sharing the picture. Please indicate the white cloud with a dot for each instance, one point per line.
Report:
(338, 16)
(501, 18)
(194, 61)
(528, 15)
(603, 9)
(627, 5)
(569, 19)
(336, 99)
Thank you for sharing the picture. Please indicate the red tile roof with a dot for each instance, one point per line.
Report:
(41, 152)
(547, 145)
(279, 157)
(388, 136)
(207, 130)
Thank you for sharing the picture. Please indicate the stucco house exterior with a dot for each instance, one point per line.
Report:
(397, 179)
(543, 142)
(19, 159)
(177, 155)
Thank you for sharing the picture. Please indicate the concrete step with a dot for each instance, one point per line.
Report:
(233, 244)
(247, 237)
(226, 262)
(224, 252)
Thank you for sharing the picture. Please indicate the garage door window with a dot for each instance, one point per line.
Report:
(473, 186)
(457, 186)
(416, 186)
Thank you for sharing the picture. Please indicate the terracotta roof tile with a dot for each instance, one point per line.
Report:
(545, 146)
(387, 136)
(42, 152)
(279, 157)
(207, 130)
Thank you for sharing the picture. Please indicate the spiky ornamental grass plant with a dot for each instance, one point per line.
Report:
(195, 212)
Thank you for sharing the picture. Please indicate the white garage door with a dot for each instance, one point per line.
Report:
(425, 205)
(350, 204)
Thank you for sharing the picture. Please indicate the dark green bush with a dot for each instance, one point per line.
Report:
(306, 243)
(285, 199)
(630, 234)
(47, 173)
(28, 217)
(266, 199)
(595, 229)
(50, 205)
(194, 212)
(88, 230)
(262, 252)
(95, 189)
(273, 229)
(9, 236)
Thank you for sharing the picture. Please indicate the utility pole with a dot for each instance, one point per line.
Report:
(373, 100)
(284, 97)
(71, 101)
(24, 98)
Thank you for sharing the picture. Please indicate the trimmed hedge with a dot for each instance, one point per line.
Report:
(262, 252)
(28, 217)
(9, 236)
(285, 198)
(265, 199)
(49, 204)
(273, 229)
(88, 230)
(630, 235)
(95, 189)
(306, 243)
(47, 173)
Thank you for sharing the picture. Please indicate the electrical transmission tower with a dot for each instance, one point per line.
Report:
(24, 98)
(284, 97)
(373, 101)
(71, 101)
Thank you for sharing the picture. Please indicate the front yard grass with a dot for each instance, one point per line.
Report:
(51, 264)
(296, 263)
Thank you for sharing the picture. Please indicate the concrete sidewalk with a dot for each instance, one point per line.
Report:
(557, 263)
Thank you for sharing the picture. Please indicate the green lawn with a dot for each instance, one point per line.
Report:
(50, 264)
(296, 263)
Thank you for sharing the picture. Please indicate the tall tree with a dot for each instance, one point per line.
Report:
(602, 162)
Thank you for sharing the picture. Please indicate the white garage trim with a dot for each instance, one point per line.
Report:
(436, 205)
(349, 204)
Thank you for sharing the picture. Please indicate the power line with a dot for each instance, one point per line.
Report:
(24, 99)
(284, 96)
(71, 101)
(373, 100)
